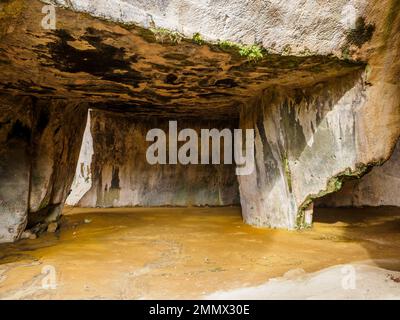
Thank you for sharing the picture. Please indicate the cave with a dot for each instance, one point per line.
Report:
(376, 188)
(366, 198)
(80, 94)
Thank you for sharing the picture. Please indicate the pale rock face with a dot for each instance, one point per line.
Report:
(297, 26)
(15, 139)
(304, 137)
(40, 143)
(333, 134)
(83, 175)
(380, 187)
(359, 128)
(113, 170)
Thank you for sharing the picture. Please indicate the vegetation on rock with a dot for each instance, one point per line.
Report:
(197, 38)
(251, 52)
(164, 35)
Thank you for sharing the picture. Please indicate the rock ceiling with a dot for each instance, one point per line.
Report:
(130, 69)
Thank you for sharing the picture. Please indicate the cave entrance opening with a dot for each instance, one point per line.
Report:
(368, 207)
(113, 172)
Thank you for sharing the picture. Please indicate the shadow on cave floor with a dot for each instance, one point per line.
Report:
(377, 229)
(168, 253)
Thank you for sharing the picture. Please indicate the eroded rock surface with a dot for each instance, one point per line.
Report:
(40, 142)
(284, 26)
(380, 187)
(304, 137)
(318, 118)
(118, 175)
(130, 68)
(308, 142)
(15, 137)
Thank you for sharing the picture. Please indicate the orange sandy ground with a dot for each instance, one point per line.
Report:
(183, 253)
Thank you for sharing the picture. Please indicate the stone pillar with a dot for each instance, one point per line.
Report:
(56, 142)
(15, 164)
(40, 143)
(305, 145)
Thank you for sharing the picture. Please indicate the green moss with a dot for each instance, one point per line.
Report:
(166, 36)
(197, 38)
(288, 173)
(251, 52)
(346, 52)
(45, 203)
(334, 184)
(228, 45)
(146, 34)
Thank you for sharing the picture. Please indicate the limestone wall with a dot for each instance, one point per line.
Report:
(120, 175)
(296, 26)
(309, 142)
(15, 138)
(318, 119)
(380, 187)
(39, 147)
(304, 138)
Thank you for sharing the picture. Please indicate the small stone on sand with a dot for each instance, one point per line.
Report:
(28, 235)
(52, 227)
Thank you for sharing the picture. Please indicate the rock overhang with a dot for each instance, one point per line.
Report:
(278, 25)
(133, 69)
(316, 117)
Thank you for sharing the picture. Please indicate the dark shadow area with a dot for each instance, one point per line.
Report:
(368, 208)
(377, 229)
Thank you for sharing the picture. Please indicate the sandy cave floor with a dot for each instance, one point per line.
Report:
(184, 253)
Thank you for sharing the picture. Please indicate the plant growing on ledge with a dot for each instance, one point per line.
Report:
(197, 38)
(251, 52)
(164, 35)
(228, 45)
